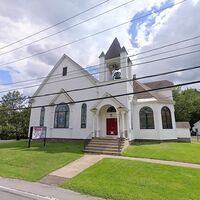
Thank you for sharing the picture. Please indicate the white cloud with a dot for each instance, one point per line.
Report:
(170, 26)
(25, 18)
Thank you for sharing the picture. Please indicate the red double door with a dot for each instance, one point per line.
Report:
(111, 126)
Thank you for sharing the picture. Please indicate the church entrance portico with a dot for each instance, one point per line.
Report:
(109, 121)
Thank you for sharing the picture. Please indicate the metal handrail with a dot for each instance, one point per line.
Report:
(87, 140)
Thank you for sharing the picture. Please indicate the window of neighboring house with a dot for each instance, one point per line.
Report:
(83, 115)
(64, 71)
(146, 118)
(42, 114)
(61, 119)
(166, 118)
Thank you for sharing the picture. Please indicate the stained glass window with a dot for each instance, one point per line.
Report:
(166, 118)
(83, 115)
(42, 114)
(61, 119)
(146, 118)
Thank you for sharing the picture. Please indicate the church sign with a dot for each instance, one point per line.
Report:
(36, 133)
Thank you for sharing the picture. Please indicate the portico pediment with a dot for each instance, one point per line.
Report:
(107, 99)
(62, 96)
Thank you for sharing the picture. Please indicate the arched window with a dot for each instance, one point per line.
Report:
(166, 118)
(146, 118)
(83, 115)
(61, 119)
(42, 114)
(111, 109)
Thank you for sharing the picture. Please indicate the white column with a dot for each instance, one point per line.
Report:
(93, 135)
(123, 130)
(128, 123)
(97, 117)
(118, 127)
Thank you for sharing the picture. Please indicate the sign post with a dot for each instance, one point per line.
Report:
(198, 135)
(36, 133)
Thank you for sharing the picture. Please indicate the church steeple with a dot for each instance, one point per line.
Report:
(113, 63)
(114, 50)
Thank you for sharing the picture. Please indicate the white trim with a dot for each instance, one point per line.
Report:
(106, 94)
(85, 72)
(62, 91)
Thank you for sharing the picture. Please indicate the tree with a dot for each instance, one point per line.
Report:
(187, 106)
(14, 121)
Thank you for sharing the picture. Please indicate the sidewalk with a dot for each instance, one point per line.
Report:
(163, 162)
(73, 169)
(39, 191)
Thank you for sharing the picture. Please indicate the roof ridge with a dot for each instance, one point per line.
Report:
(114, 50)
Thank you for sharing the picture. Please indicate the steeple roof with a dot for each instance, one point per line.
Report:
(114, 50)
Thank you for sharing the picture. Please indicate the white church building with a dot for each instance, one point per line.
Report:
(68, 114)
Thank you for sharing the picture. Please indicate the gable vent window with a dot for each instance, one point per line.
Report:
(64, 71)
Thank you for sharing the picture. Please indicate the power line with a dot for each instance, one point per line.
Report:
(143, 52)
(92, 35)
(141, 63)
(58, 23)
(116, 82)
(168, 45)
(107, 97)
(169, 51)
(68, 28)
(154, 49)
(122, 81)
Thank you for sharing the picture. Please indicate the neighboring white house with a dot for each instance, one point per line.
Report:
(148, 115)
(196, 127)
(183, 130)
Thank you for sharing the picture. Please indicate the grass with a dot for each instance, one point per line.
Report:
(185, 152)
(18, 161)
(132, 180)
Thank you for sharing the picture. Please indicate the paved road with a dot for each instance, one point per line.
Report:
(11, 189)
(5, 195)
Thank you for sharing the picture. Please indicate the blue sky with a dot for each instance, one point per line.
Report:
(5, 77)
(176, 24)
(149, 20)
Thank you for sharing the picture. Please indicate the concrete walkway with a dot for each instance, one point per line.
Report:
(77, 166)
(73, 169)
(163, 162)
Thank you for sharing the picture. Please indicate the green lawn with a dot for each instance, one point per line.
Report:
(185, 152)
(132, 180)
(17, 161)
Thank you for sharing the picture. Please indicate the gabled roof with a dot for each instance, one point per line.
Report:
(106, 94)
(157, 84)
(196, 123)
(114, 50)
(62, 92)
(138, 87)
(88, 75)
(182, 125)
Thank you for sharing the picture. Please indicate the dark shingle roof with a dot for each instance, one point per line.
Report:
(182, 125)
(102, 54)
(138, 87)
(114, 50)
(157, 84)
(123, 49)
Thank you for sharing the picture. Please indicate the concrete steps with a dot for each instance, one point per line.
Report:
(112, 146)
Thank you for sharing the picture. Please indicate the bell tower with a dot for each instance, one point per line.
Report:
(115, 63)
